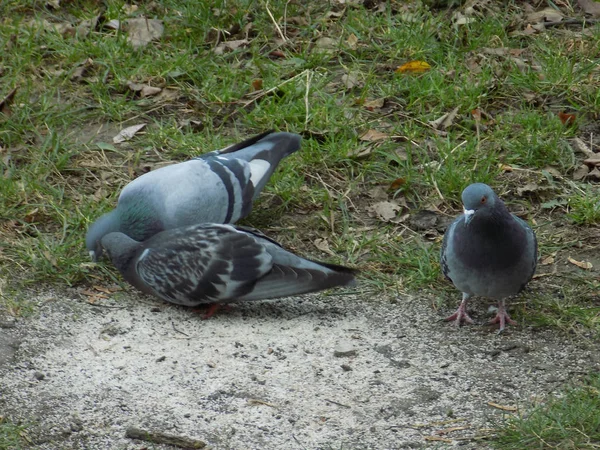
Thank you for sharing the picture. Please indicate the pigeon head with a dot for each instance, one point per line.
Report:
(104, 225)
(119, 247)
(480, 199)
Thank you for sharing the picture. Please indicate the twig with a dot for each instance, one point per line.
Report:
(306, 104)
(275, 22)
(337, 403)
(571, 22)
(156, 437)
(181, 332)
(299, 443)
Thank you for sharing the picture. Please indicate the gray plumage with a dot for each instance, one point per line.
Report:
(487, 252)
(218, 187)
(213, 263)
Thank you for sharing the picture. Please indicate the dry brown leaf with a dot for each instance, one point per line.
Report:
(230, 46)
(374, 104)
(360, 152)
(586, 265)
(142, 31)
(413, 67)
(350, 80)
(323, 245)
(583, 147)
(373, 136)
(590, 7)
(387, 211)
(143, 89)
(545, 15)
(593, 161)
(444, 121)
(397, 184)
(566, 118)
(547, 260)
(352, 41)
(82, 70)
(127, 133)
(326, 43)
(257, 84)
(581, 172)
(594, 174)
(54, 4)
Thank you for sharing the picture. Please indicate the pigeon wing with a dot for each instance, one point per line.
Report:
(202, 264)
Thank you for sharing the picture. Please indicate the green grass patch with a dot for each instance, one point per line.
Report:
(566, 421)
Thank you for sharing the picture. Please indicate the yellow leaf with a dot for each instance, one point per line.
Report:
(413, 67)
(586, 265)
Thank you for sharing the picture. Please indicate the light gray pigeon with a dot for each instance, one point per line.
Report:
(213, 263)
(217, 187)
(488, 252)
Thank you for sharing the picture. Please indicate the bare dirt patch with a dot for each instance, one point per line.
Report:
(311, 372)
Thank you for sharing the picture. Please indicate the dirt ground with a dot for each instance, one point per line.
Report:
(316, 372)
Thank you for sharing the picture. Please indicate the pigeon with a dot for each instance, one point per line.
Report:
(488, 252)
(216, 264)
(217, 187)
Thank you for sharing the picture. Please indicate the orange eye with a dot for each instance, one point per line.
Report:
(483, 199)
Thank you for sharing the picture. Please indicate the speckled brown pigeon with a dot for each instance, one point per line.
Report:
(488, 252)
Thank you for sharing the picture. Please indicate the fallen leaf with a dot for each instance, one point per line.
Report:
(127, 133)
(586, 265)
(502, 407)
(54, 4)
(277, 54)
(444, 121)
(547, 260)
(82, 70)
(7, 101)
(360, 152)
(387, 211)
(593, 161)
(413, 67)
(326, 43)
(350, 80)
(476, 113)
(583, 147)
(545, 15)
(143, 89)
(323, 245)
(373, 136)
(581, 172)
(257, 84)
(594, 174)
(230, 46)
(142, 31)
(566, 118)
(529, 188)
(397, 184)
(352, 41)
(374, 104)
(590, 7)
(505, 168)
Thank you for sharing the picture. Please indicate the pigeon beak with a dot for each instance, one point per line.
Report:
(468, 215)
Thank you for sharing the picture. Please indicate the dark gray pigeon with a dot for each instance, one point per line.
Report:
(488, 252)
(218, 187)
(213, 263)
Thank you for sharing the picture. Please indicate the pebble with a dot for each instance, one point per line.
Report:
(344, 350)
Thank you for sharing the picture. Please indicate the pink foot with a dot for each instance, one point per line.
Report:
(461, 313)
(211, 309)
(502, 317)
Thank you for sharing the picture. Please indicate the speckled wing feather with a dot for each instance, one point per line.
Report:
(532, 240)
(202, 265)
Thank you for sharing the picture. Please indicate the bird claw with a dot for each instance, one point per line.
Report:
(502, 318)
(459, 316)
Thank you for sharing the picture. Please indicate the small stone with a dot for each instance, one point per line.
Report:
(39, 376)
(346, 367)
(344, 350)
(161, 359)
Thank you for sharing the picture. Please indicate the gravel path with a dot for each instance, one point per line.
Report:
(305, 373)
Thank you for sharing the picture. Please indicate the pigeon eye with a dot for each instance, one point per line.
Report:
(483, 200)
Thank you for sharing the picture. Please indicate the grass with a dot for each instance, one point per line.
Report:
(60, 170)
(11, 435)
(566, 421)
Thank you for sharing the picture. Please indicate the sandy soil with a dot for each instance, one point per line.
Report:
(337, 372)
